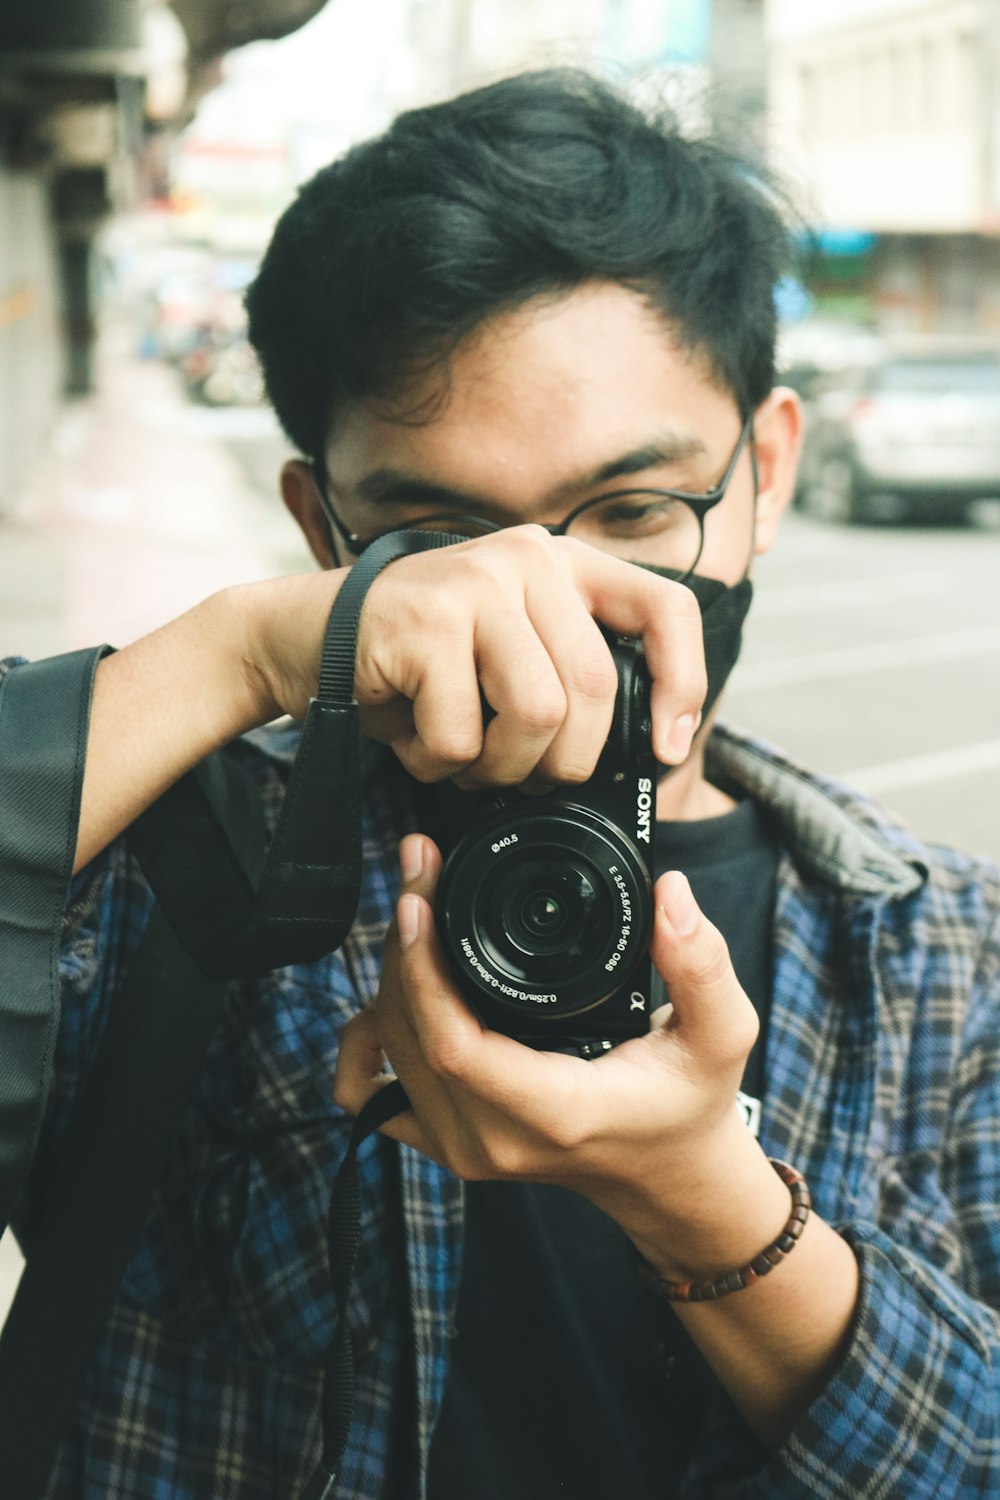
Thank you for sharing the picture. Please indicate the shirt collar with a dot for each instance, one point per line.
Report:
(833, 832)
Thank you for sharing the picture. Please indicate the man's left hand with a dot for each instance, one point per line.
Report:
(648, 1132)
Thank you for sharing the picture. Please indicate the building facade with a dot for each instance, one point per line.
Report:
(86, 89)
(886, 116)
(711, 51)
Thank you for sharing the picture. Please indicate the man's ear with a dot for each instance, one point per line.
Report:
(299, 492)
(777, 441)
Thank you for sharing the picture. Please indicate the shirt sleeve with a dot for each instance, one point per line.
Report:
(914, 1408)
(44, 716)
(107, 910)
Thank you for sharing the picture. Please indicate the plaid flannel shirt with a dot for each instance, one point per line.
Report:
(882, 1085)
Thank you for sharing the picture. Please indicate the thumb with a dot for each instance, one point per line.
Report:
(711, 1010)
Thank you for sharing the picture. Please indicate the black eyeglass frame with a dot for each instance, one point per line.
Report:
(699, 503)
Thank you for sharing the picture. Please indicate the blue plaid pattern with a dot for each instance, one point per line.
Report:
(883, 1086)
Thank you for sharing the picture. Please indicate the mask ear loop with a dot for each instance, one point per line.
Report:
(334, 526)
(755, 472)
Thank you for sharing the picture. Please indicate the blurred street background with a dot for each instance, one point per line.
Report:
(147, 146)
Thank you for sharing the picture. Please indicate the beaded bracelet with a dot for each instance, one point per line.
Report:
(735, 1281)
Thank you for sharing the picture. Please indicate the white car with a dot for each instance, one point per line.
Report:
(915, 435)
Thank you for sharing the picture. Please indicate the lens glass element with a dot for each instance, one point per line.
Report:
(543, 916)
(545, 912)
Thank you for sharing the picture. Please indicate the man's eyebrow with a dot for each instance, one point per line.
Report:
(389, 486)
(671, 448)
(396, 487)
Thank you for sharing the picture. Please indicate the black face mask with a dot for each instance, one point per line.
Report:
(723, 610)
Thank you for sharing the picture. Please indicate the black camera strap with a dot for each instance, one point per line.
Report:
(302, 907)
(227, 906)
(235, 921)
(343, 1240)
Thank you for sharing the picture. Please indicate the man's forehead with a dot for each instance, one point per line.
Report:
(568, 387)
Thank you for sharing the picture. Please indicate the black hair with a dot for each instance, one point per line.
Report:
(529, 187)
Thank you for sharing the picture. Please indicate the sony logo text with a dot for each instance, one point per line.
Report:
(644, 809)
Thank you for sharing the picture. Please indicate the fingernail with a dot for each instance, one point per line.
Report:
(679, 904)
(408, 919)
(411, 859)
(680, 737)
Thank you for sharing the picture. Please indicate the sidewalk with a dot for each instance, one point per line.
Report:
(139, 508)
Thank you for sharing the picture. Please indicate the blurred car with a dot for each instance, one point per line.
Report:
(913, 436)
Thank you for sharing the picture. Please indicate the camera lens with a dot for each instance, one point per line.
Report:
(543, 914)
(543, 907)
(546, 914)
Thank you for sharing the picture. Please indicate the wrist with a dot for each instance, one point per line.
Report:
(274, 632)
(715, 1209)
(232, 626)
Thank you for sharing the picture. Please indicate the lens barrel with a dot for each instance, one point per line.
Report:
(545, 910)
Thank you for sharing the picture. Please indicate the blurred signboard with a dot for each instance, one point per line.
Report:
(650, 31)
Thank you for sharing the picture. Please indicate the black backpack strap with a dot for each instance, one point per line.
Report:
(223, 908)
(115, 1153)
(44, 717)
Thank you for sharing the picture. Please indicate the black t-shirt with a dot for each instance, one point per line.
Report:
(567, 1376)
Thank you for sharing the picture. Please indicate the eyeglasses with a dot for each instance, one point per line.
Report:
(661, 527)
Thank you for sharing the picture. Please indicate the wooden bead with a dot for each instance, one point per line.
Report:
(771, 1256)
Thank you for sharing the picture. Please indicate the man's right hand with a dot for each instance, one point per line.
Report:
(510, 616)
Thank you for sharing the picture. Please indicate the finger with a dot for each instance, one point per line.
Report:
(447, 732)
(475, 1063)
(523, 688)
(437, 1124)
(711, 1011)
(477, 1091)
(666, 615)
(360, 1075)
(438, 1128)
(419, 865)
(388, 722)
(582, 658)
(360, 1070)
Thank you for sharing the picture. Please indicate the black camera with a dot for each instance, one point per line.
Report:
(545, 903)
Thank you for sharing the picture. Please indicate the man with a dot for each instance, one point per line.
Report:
(537, 318)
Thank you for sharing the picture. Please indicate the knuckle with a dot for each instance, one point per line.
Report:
(445, 1058)
(596, 677)
(452, 747)
(569, 773)
(573, 550)
(503, 1157)
(543, 715)
(741, 1034)
(711, 966)
(696, 686)
(682, 599)
(565, 1133)
(528, 537)
(687, 682)
(343, 1095)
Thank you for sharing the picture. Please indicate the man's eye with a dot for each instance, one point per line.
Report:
(636, 513)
